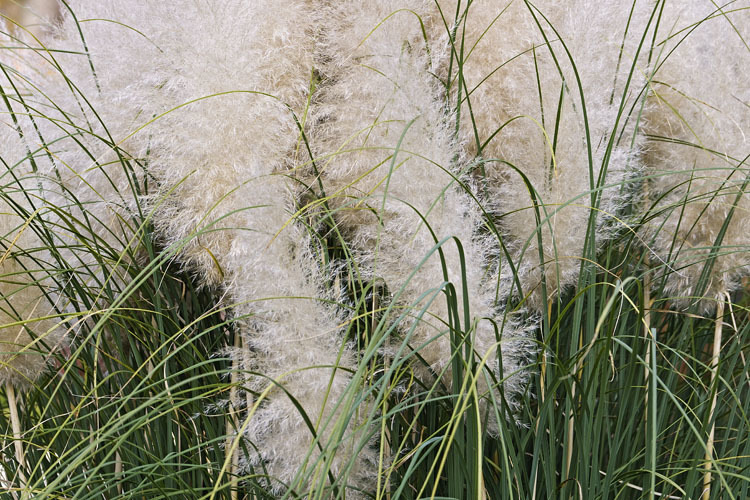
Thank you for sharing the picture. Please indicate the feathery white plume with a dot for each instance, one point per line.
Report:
(204, 98)
(698, 122)
(28, 332)
(525, 66)
(387, 157)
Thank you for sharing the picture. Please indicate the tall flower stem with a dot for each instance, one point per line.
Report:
(15, 423)
(714, 373)
(649, 382)
(232, 423)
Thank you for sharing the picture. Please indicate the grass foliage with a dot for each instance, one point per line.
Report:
(618, 405)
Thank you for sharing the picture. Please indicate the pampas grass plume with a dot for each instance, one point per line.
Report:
(28, 330)
(27, 333)
(205, 98)
(387, 156)
(522, 90)
(697, 121)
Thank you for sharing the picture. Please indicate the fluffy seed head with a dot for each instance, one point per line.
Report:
(388, 158)
(697, 122)
(525, 69)
(26, 335)
(204, 100)
(27, 332)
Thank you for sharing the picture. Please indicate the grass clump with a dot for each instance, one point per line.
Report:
(400, 249)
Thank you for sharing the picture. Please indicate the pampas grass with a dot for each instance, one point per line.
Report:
(389, 162)
(193, 97)
(28, 330)
(697, 122)
(400, 249)
(551, 115)
(698, 154)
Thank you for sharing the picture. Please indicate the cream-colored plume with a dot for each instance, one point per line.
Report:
(697, 122)
(199, 104)
(388, 159)
(28, 328)
(525, 66)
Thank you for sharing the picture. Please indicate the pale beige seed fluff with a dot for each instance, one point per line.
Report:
(33, 15)
(514, 88)
(28, 329)
(203, 97)
(72, 122)
(698, 121)
(387, 158)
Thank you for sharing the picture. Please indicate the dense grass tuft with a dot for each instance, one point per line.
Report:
(397, 250)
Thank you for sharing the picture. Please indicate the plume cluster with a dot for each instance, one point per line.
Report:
(697, 123)
(198, 119)
(28, 331)
(214, 120)
(207, 100)
(538, 98)
(389, 162)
